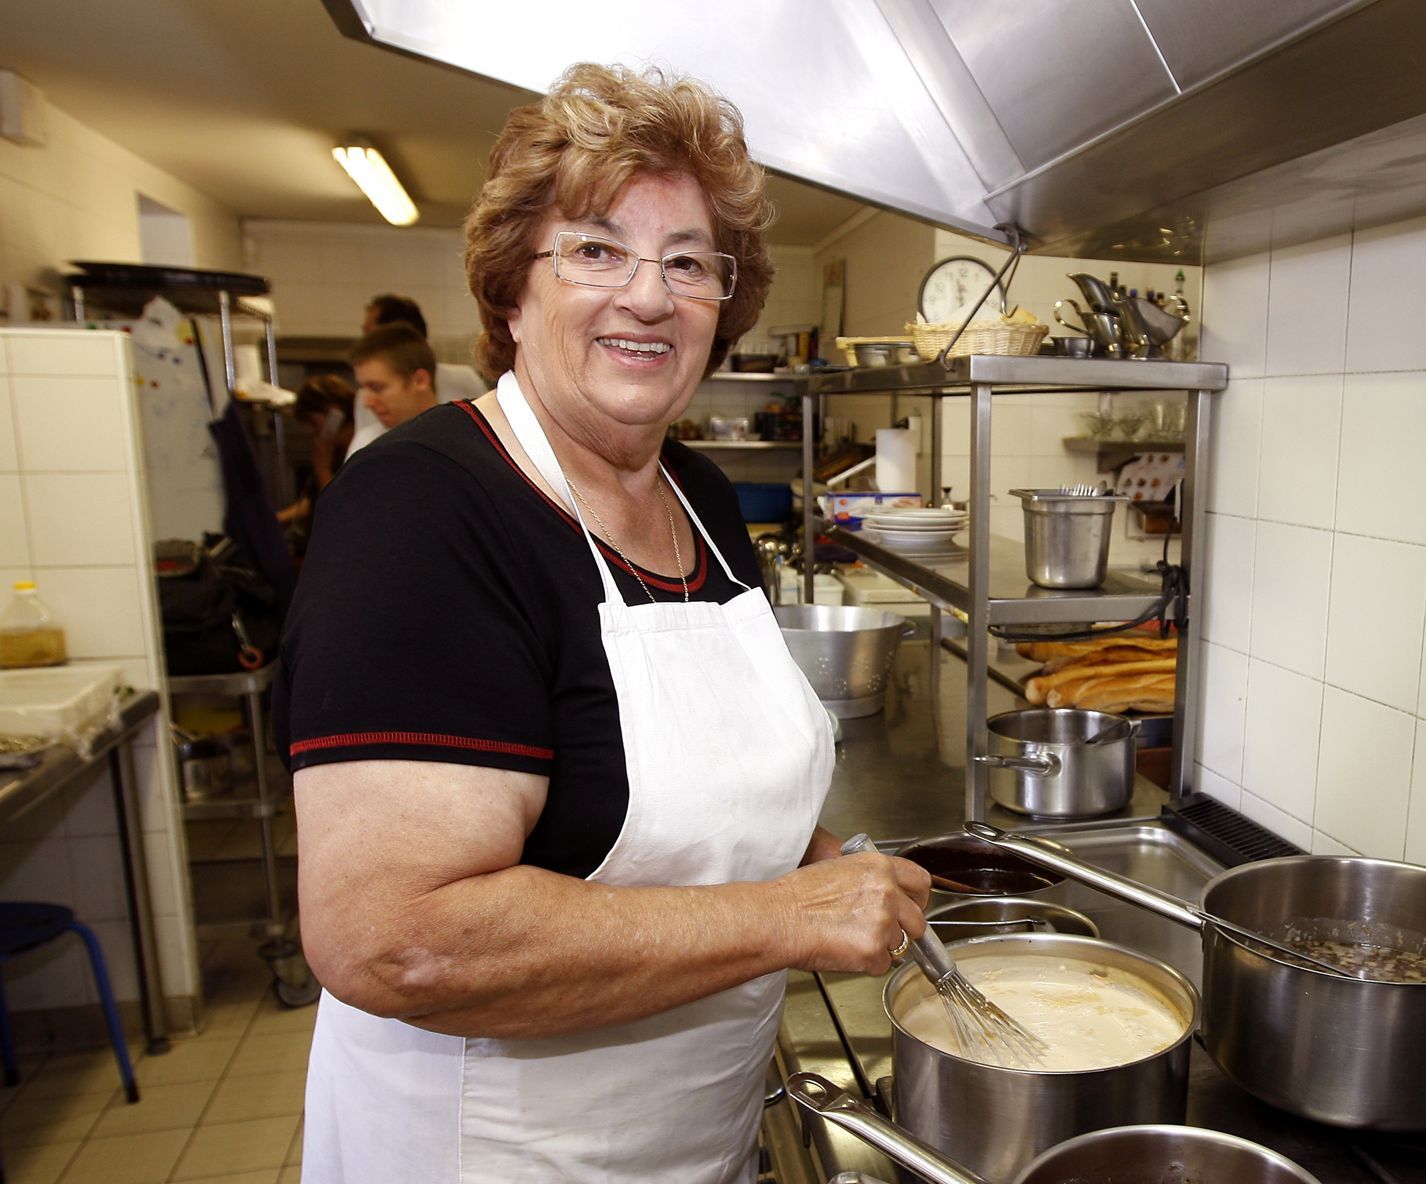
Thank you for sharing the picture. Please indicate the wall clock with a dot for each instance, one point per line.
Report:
(952, 287)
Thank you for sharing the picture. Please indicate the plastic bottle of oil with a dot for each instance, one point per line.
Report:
(29, 633)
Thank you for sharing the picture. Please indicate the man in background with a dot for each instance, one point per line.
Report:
(396, 378)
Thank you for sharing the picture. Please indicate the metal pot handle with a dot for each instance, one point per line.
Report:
(1053, 856)
(908, 629)
(839, 1107)
(1036, 766)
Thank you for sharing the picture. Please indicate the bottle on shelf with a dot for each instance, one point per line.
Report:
(1183, 346)
(29, 633)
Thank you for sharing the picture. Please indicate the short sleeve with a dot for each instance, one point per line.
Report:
(408, 636)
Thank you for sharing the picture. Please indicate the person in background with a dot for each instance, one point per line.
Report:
(325, 406)
(556, 776)
(396, 377)
(453, 381)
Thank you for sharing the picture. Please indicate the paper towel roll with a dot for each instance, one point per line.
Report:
(895, 460)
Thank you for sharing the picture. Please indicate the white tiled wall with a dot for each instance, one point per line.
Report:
(73, 518)
(1314, 704)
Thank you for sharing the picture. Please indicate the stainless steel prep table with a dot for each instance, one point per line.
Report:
(60, 767)
(897, 778)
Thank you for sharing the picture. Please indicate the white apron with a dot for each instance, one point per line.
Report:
(729, 755)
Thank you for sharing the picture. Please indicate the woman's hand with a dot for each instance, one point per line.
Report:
(848, 913)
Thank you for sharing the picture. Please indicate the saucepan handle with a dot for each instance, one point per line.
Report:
(1036, 766)
(851, 1114)
(1054, 857)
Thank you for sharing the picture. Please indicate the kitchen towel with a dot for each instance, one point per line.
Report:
(895, 459)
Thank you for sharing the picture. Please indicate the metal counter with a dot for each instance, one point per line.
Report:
(900, 775)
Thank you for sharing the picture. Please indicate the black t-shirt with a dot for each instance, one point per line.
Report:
(447, 610)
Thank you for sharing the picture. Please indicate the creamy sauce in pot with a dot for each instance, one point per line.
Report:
(1090, 1016)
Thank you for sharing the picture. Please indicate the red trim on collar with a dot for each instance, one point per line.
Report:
(700, 571)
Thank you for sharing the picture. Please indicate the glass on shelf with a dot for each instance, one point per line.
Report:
(1098, 425)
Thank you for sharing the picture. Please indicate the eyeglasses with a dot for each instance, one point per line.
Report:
(604, 263)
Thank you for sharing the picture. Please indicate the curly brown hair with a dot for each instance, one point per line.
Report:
(575, 150)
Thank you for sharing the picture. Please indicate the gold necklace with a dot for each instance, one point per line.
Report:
(672, 530)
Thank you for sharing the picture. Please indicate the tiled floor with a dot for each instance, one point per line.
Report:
(223, 1107)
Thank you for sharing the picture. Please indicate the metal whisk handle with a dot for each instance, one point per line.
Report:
(928, 949)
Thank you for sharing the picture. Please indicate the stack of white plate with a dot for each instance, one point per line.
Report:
(929, 529)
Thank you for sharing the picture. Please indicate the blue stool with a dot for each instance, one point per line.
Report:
(25, 925)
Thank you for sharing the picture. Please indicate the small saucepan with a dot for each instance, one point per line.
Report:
(1184, 1154)
(981, 916)
(1061, 762)
(964, 866)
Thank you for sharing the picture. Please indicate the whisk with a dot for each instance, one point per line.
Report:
(983, 1031)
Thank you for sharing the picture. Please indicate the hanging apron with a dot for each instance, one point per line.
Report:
(729, 756)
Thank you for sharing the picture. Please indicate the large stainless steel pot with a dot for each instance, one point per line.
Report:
(1158, 1152)
(1340, 1050)
(1061, 762)
(995, 1119)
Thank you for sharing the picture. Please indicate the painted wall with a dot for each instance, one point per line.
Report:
(1314, 704)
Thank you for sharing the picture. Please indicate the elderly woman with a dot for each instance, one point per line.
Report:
(557, 778)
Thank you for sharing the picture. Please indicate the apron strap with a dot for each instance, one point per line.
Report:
(536, 444)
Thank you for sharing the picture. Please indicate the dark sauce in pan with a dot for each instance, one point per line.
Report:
(982, 868)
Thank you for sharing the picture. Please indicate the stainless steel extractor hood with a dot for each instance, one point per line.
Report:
(1101, 127)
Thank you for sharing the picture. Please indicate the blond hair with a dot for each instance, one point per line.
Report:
(576, 149)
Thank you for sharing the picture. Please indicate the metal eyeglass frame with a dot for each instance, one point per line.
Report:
(554, 258)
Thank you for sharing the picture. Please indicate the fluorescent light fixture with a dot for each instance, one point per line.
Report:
(368, 168)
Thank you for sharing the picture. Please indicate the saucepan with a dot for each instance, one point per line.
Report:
(1339, 1048)
(995, 1118)
(1151, 1151)
(1061, 762)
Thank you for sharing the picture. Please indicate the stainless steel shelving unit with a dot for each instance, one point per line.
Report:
(987, 581)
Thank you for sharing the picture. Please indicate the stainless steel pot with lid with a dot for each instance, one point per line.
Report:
(1336, 1048)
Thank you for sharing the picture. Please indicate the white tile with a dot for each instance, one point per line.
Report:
(1307, 307)
(99, 607)
(1233, 448)
(4, 350)
(1234, 324)
(1205, 780)
(1298, 460)
(1384, 319)
(1374, 619)
(1223, 690)
(96, 869)
(9, 455)
(1291, 577)
(36, 871)
(14, 534)
(1227, 604)
(1284, 719)
(70, 424)
(1383, 440)
(79, 519)
(90, 807)
(63, 351)
(1416, 811)
(117, 942)
(56, 975)
(1364, 774)
(1284, 825)
(1327, 845)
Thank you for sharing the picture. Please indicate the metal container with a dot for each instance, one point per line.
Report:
(1061, 762)
(845, 653)
(1158, 1152)
(1344, 1051)
(994, 1119)
(972, 917)
(1066, 537)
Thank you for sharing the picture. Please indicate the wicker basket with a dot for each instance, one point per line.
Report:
(980, 337)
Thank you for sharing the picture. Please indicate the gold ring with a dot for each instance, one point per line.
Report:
(903, 947)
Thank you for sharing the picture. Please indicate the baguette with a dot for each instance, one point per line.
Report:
(1115, 653)
(1045, 651)
(1037, 688)
(1140, 692)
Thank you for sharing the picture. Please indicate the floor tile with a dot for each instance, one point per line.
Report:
(294, 1153)
(39, 1164)
(128, 1159)
(236, 1147)
(159, 1108)
(74, 1073)
(275, 1053)
(290, 1175)
(269, 1095)
(189, 1059)
(272, 1017)
(53, 1118)
(263, 1176)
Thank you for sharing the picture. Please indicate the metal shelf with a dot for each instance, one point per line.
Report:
(986, 580)
(944, 580)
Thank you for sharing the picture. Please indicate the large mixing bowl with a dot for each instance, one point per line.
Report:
(845, 652)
